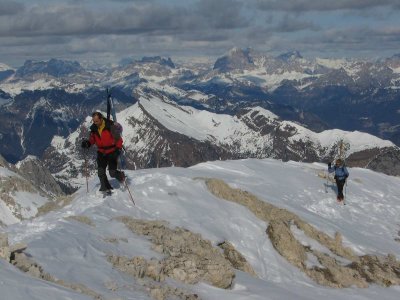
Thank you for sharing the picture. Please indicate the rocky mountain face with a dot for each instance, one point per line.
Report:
(26, 189)
(236, 60)
(32, 169)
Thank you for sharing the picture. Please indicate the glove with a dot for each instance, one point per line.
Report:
(329, 164)
(85, 144)
(345, 176)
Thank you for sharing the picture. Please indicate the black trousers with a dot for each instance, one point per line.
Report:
(340, 184)
(111, 161)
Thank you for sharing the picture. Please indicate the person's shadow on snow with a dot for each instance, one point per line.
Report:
(331, 186)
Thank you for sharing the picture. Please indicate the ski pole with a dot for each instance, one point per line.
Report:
(121, 164)
(129, 191)
(83, 130)
(86, 170)
(327, 181)
(125, 183)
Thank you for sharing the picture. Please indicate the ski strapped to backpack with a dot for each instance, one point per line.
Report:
(116, 128)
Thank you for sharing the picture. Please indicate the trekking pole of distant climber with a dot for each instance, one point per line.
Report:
(327, 181)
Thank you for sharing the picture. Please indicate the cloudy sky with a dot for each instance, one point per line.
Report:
(109, 30)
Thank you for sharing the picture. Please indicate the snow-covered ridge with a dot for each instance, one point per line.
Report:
(4, 67)
(28, 158)
(333, 63)
(179, 197)
(396, 70)
(358, 141)
(270, 80)
(17, 87)
(203, 125)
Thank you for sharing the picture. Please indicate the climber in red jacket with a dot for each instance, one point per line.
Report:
(109, 145)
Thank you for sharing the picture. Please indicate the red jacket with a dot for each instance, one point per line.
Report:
(105, 142)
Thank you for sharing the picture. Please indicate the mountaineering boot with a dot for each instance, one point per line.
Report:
(108, 185)
(104, 184)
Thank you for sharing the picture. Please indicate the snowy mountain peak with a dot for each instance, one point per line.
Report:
(236, 59)
(239, 51)
(159, 60)
(290, 56)
(260, 111)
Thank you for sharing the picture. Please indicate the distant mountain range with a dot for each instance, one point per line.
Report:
(272, 98)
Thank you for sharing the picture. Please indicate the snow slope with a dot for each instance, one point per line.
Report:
(76, 252)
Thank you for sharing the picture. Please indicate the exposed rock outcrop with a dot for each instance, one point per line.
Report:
(83, 219)
(57, 203)
(237, 260)
(188, 257)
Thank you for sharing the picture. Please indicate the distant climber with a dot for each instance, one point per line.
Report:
(108, 149)
(341, 175)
